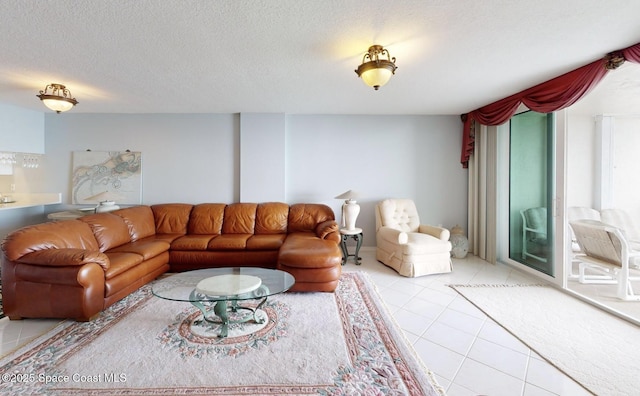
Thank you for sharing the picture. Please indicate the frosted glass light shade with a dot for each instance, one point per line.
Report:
(376, 77)
(58, 105)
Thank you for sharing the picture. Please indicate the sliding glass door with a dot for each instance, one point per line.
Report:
(531, 190)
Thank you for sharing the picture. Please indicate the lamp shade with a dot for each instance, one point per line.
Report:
(58, 105)
(57, 98)
(349, 195)
(376, 77)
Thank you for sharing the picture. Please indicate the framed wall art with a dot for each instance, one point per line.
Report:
(115, 175)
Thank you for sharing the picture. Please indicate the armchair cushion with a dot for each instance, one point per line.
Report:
(439, 232)
(394, 236)
(425, 244)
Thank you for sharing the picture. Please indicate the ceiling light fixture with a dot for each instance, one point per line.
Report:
(376, 72)
(57, 97)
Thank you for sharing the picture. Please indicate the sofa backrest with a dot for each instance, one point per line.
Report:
(304, 217)
(171, 218)
(239, 218)
(108, 229)
(53, 235)
(139, 220)
(272, 218)
(206, 219)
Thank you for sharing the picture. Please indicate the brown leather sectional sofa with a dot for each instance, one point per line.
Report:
(77, 268)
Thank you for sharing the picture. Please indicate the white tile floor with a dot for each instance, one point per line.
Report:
(469, 353)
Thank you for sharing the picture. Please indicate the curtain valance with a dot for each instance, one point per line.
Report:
(552, 95)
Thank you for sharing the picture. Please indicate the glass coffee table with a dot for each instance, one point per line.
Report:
(216, 292)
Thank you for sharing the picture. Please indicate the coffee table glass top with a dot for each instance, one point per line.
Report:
(223, 284)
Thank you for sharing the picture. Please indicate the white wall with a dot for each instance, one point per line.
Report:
(196, 158)
(185, 157)
(581, 161)
(379, 157)
(262, 159)
(626, 178)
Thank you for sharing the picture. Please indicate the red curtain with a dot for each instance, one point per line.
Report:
(553, 95)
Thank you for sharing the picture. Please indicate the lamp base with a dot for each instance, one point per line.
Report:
(350, 211)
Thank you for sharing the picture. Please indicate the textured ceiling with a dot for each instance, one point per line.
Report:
(294, 56)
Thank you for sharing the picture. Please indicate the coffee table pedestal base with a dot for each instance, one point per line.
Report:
(217, 313)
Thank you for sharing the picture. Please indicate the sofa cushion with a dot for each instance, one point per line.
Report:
(239, 218)
(272, 218)
(147, 248)
(54, 235)
(109, 230)
(266, 242)
(229, 242)
(206, 219)
(305, 217)
(169, 238)
(121, 262)
(171, 218)
(140, 221)
(192, 242)
(304, 250)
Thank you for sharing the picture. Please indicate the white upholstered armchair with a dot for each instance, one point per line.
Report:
(411, 248)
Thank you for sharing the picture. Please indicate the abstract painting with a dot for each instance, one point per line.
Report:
(118, 173)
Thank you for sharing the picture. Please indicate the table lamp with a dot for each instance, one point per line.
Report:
(350, 209)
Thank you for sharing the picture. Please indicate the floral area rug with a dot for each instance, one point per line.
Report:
(1, 309)
(309, 344)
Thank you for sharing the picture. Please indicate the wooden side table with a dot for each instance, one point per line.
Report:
(67, 215)
(356, 234)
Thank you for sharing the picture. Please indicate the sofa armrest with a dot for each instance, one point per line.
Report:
(439, 232)
(328, 230)
(392, 235)
(65, 257)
